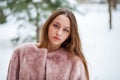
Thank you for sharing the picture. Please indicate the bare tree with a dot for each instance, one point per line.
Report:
(112, 4)
(110, 13)
(41, 8)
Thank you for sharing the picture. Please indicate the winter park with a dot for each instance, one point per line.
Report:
(100, 44)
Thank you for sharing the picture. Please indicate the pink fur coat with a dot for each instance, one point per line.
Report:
(31, 63)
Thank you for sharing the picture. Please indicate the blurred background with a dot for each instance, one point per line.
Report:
(99, 28)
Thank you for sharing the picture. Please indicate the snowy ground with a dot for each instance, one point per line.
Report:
(100, 45)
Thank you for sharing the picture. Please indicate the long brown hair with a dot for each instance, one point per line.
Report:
(73, 43)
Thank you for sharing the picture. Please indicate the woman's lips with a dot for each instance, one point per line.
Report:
(57, 38)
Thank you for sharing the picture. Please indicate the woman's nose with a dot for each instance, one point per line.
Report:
(59, 32)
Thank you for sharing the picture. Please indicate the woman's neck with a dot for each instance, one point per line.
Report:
(52, 48)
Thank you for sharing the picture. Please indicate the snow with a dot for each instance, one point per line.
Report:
(100, 44)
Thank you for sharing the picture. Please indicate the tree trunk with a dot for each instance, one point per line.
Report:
(110, 13)
(37, 33)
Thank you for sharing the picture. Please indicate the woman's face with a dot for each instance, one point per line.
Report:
(59, 30)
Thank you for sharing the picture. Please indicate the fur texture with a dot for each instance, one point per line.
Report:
(31, 63)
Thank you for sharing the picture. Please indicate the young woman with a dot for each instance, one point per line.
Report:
(58, 55)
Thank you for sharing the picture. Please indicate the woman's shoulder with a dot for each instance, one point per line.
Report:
(77, 61)
(24, 46)
(29, 47)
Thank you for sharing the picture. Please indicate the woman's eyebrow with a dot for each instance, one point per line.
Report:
(59, 24)
(67, 27)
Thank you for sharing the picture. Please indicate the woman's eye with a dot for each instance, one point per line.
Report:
(66, 30)
(55, 25)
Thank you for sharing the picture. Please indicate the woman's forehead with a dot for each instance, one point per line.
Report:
(62, 20)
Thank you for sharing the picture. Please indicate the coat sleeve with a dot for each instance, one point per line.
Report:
(13, 69)
(82, 75)
(78, 70)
